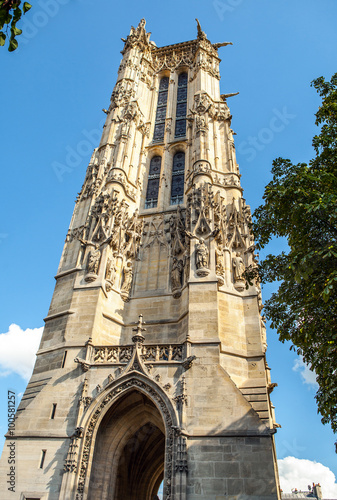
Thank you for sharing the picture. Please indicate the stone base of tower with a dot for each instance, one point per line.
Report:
(140, 414)
(231, 468)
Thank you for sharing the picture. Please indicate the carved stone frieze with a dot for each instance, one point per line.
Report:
(182, 55)
(228, 179)
(150, 353)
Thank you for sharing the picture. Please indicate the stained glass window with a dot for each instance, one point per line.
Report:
(159, 127)
(180, 130)
(153, 183)
(178, 173)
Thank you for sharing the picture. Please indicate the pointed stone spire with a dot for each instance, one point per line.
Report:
(201, 34)
(139, 338)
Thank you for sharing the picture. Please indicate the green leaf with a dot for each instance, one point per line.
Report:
(2, 39)
(26, 7)
(13, 45)
(16, 31)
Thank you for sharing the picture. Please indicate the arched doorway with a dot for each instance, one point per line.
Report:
(128, 459)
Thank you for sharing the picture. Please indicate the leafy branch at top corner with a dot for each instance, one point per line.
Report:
(10, 13)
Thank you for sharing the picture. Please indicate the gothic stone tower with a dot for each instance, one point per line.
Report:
(152, 363)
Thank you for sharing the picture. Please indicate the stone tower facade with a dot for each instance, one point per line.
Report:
(152, 365)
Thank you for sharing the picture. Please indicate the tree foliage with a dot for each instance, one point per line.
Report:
(10, 13)
(300, 204)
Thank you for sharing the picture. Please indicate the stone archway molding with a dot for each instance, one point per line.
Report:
(100, 406)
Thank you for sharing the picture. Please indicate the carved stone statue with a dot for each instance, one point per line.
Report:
(201, 254)
(219, 264)
(127, 281)
(239, 267)
(110, 274)
(176, 276)
(93, 259)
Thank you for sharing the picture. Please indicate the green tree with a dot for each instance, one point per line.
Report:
(10, 13)
(300, 204)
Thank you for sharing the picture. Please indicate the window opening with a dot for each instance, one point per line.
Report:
(43, 456)
(178, 174)
(180, 130)
(153, 182)
(53, 411)
(159, 127)
(64, 359)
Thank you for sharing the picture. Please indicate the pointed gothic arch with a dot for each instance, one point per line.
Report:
(128, 442)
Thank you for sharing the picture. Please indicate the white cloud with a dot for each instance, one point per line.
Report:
(299, 473)
(308, 376)
(17, 350)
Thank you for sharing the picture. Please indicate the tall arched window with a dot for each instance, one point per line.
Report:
(159, 127)
(153, 183)
(178, 173)
(180, 130)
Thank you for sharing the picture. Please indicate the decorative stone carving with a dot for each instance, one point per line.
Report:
(163, 58)
(201, 253)
(177, 276)
(201, 257)
(75, 233)
(110, 273)
(93, 263)
(84, 364)
(238, 270)
(144, 129)
(122, 94)
(154, 232)
(181, 461)
(117, 391)
(162, 353)
(70, 464)
(219, 264)
(133, 233)
(137, 37)
(181, 398)
(84, 400)
(187, 364)
(127, 280)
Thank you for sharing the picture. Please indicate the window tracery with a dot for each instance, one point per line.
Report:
(180, 130)
(159, 127)
(178, 175)
(153, 183)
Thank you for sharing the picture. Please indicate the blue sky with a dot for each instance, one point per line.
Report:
(53, 90)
